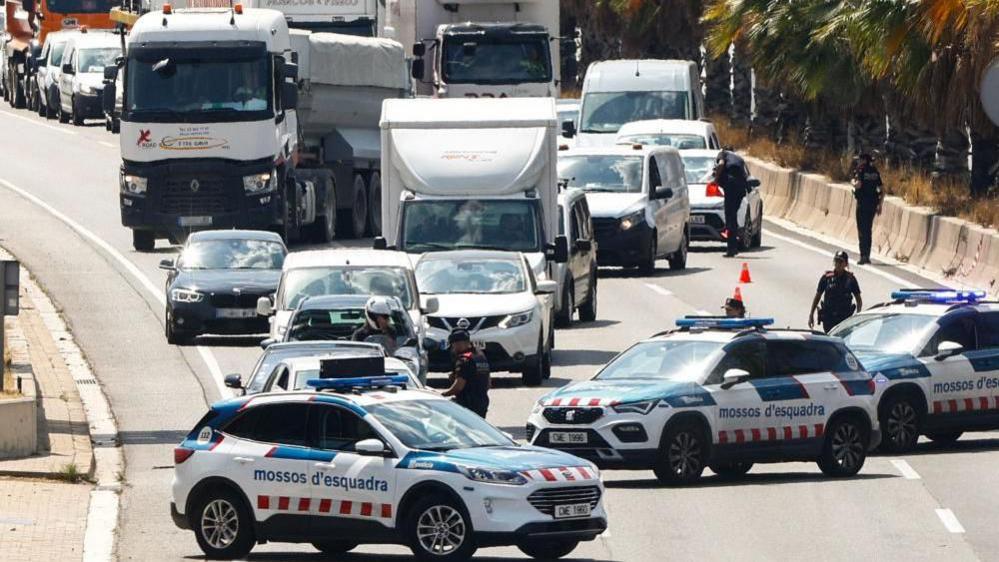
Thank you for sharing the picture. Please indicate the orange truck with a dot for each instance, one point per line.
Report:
(27, 23)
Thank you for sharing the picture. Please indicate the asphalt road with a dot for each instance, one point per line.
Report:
(59, 215)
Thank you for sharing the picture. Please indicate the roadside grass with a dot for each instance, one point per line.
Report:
(917, 187)
(70, 473)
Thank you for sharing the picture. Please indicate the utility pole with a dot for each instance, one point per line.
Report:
(10, 275)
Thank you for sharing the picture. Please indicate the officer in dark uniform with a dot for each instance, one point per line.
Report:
(867, 190)
(730, 175)
(734, 308)
(838, 289)
(470, 377)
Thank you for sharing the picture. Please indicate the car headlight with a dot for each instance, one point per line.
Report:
(186, 295)
(630, 221)
(257, 184)
(491, 476)
(133, 185)
(635, 407)
(514, 320)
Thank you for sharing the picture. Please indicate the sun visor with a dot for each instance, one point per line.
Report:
(446, 162)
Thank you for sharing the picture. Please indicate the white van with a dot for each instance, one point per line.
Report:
(621, 91)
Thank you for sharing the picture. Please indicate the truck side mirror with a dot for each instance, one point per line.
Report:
(68, 69)
(419, 50)
(110, 72)
(568, 128)
(559, 251)
(380, 243)
(418, 69)
(291, 71)
(289, 96)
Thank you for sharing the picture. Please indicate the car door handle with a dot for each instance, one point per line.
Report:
(831, 386)
(325, 465)
(242, 460)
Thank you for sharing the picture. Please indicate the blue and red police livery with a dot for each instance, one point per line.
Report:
(718, 393)
(935, 356)
(364, 461)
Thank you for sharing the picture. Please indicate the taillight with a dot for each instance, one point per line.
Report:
(713, 190)
(871, 385)
(181, 454)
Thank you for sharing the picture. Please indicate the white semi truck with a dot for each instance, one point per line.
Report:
(478, 48)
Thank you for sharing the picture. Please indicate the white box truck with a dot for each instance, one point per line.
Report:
(478, 48)
(351, 17)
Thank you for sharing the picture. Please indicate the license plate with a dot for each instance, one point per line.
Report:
(236, 313)
(567, 437)
(697, 219)
(572, 510)
(195, 221)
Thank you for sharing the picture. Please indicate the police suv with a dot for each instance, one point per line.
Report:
(934, 354)
(721, 393)
(360, 460)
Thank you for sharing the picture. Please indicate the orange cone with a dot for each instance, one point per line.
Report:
(744, 276)
(738, 295)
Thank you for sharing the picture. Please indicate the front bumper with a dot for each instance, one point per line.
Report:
(616, 247)
(510, 349)
(88, 106)
(575, 529)
(607, 444)
(212, 316)
(171, 206)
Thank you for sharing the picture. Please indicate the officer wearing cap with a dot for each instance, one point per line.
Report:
(734, 308)
(838, 289)
(867, 191)
(470, 377)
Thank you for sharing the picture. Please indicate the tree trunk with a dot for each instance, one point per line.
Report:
(909, 143)
(600, 33)
(952, 153)
(742, 86)
(868, 131)
(767, 106)
(984, 160)
(717, 84)
(568, 48)
(824, 130)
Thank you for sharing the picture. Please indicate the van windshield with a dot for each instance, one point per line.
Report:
(605, 112)
(453, 224)
(600, 172)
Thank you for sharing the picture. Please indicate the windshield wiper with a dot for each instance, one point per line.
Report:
(438, 448)
(592, 131)
(430, 245)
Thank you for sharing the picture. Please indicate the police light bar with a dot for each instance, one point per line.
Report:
(722, 322)
(352, 367)
(357, 382)
(941, 296)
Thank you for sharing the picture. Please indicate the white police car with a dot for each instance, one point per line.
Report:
(934, 354)
(722, 393)
(360, 462)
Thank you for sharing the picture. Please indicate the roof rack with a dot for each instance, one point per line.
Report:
(357, 384)
(701, 323)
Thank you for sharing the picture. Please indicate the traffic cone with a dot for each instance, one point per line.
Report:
(744, 276)
(738, 295)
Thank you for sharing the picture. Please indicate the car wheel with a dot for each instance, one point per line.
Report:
(758, 233)
(845, 447)
(900, 421)
(547, 549)
(682, 454)
(745, 233)
(648, 264)
(74, 116)
(588, 310)
(334, 547)
(564, 316)
(222, 525)
(946, 438)
(143, 240)
(438, 528)
(731, 469)
(534, 373)
(63, 116)
(375, 204)
(678, 260)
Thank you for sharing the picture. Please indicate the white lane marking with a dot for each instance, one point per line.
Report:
(147, 284)
(62, 130)
(662, 291)
(107, 144)
(876, 271)
(949, 520)
(907, 471)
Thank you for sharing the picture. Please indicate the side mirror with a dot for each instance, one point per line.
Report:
(559, 251)
(265, 343)
(68, 69)
(584, 245)
(948, 349)
(417, 71)
(547, 287)
(289, 96)
(264, 306)
(733, 377)
(380, 243)
(167, 264)
(110, 72)
(234, 381)
(371, 447)
(291, 71)
(568, 128)
(753, 182)
(430, 305)
(419, 50)
(664, 192)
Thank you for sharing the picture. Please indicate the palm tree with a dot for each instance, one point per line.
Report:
(717, 83)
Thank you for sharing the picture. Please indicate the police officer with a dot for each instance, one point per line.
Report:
(734, 308)
(730, 175)
(470, 377)
(838, 289)
(867, 190)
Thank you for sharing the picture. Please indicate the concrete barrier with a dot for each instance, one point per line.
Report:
(840, 221)
(941, 254)
(986, 275)
(975, 268)
(914, 234)
(18, 427)
(777, 185)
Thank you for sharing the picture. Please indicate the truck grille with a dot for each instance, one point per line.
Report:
(604, 228)
(178, 198)
(546, 500)
(232, 300)
(577, 415)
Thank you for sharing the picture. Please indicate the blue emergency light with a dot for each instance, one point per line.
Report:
(938, 296)
(357, 382)
(722, 322)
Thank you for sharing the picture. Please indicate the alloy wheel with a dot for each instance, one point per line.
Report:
(441, 530)
(847, 446)
(220, 523)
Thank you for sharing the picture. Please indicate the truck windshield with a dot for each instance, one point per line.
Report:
(94, 60)
(171, 85)
(486, 60)
(605, 112)
(471, 223)
(80, 6)
(600, 172)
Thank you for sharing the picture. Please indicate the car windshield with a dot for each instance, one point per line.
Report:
(485, 60)
(479, 223)
(605, 112)
(232, 254)
(344, 280)
(276, 354)
(611, 173)
(884, 333)
(94, 60)
(340, 324)
(666, 360)
(680, 142)
(698, 169)
(480, 276)
(437, 425)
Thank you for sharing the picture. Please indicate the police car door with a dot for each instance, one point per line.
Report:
(986, 360)
(739, 407)
(348, 489)
(801, 389)
(270, 462)
(953, 381)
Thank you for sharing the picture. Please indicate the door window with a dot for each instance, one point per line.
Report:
(750, 356)
(960, 330)
(272, 423)
(336, 429)
(988, 330)
(801, 358)
(574, 231)
(655, 179)
(585, 221)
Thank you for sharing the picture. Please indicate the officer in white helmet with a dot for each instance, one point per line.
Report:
(378, 324)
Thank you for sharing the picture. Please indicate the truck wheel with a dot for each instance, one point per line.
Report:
(678, 259)
(438, 528)
(324, 229)
(375, 204)
(357, 220)
(143, 240)
(544, 549)
(588, 310)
